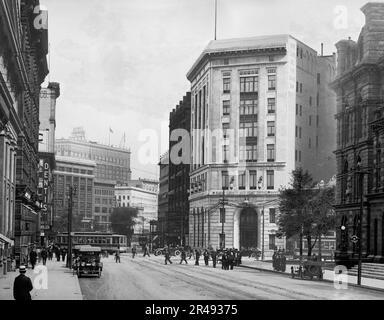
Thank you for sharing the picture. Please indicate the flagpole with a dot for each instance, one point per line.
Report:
(215, 17)
(109, 137)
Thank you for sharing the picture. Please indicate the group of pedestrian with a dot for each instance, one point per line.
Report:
(279, 260)
(230, 258)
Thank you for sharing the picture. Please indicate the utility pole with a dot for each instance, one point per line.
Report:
(222, 218)
(262, 240)
(72, 190)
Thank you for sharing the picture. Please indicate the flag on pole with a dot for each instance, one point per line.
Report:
(110, 130)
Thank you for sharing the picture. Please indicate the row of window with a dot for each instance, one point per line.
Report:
(249, 106)
(249, 84)
(103, 210)
(104, 201)
(199, 183)
(104, 192)
(74, 170)
(84, 155)
(254, 183)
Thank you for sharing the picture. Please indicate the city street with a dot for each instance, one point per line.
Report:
(148, 278)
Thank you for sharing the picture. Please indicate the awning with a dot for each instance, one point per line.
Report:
(4, 239)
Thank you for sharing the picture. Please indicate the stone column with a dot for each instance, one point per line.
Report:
(236, 228)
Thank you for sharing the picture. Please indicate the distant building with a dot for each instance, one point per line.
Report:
(79, 174)
(360, 161)
(163, 198)
(146, 184)
(258, 105)
(112, 167)
(47, 128)
(178, 203)
(138, 197)
(104, 203)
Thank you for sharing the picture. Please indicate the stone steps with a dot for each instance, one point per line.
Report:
(369, 270)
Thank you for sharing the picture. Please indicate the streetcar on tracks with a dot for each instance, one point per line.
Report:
(108, 242)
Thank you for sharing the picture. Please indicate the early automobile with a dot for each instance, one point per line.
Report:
(308, 269)
(87, 261)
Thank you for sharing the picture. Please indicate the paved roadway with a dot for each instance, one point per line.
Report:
(149, 279)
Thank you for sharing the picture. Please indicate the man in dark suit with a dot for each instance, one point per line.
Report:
(44, 255)
(33, 258)
(22, 285)
(214, 257)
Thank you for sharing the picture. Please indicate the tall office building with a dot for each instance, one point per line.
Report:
(258, 105)
(360, 140)
(178, 203)
(112, 167)
(80, 174)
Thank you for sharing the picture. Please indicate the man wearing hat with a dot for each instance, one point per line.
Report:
(22, 285)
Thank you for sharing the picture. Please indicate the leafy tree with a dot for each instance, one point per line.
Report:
(324, 217)
(305, 211)
(123, 220)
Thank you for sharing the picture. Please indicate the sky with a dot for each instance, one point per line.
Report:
(122, 64)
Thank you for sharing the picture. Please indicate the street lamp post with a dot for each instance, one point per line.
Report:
(72, 190)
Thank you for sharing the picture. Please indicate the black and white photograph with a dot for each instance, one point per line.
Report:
(200, 152)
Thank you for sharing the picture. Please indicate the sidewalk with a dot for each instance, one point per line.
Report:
(61, 285)
(328, 275)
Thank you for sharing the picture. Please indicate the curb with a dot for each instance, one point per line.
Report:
(324, 280)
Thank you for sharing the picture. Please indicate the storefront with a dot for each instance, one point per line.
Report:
(6, 246)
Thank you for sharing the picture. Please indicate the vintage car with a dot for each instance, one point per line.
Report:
(308, 269)
(87, 261)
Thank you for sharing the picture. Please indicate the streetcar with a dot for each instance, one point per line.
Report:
(108, 242)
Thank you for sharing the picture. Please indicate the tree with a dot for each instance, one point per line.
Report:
(324, 215)
(122, 221)
(294, 206)
(305, 211)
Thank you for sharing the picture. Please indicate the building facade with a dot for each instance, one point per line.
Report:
(255, 118)
(178, 193)
(112, 167)
(104, 193)
(163, 198)
(79, 174)
(359, 88)
(47, 128)
(23, 67)
(138, 196)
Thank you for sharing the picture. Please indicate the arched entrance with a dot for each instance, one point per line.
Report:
(248, 228)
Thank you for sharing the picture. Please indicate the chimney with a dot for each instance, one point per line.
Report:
(322, 49)
(372, 35)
